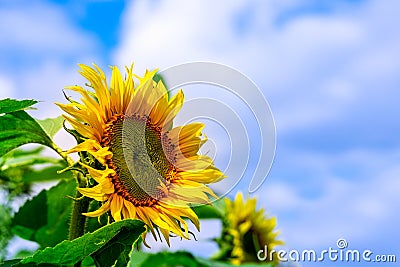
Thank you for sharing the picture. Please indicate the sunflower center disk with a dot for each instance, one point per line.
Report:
(141, 159)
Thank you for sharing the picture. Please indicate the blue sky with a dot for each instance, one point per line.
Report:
(329, 70)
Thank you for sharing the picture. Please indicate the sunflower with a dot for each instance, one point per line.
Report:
(246, 231)
(142, 167)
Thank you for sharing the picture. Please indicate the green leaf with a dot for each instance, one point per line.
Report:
(216, 211)
(52, 125)
(6, 234)
(92, 223)
(47, 174)
(20, 158)
(19, 128)
(24, 152)
(10, 105)
(9, 263)
(207, 212)
(27, 220)
(116, 252)
(13, 161)
(26, 164)
(19, 168)
(45, 218)
(105, 245)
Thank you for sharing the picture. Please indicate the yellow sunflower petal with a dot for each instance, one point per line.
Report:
(103, 209)
(128, 159)
(94, 192)
(99, 176)
(174, 107)
(116, 207)
(94, 148)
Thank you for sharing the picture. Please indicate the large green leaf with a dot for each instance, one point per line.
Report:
(52, 125)
(20, 168)
(47, 174)
(29, 166)
(9, 263)
(214, 211)
(28, 219)
(6, 234)
(45, 218)
(117, 252)
(18, 128)
(10, 105)
(17, 159)
(94, 223)
(104, 245)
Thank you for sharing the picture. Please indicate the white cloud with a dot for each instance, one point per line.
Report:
(168, 33)
(41, 47)
(353, 208)
(45, 83)
(40, 27)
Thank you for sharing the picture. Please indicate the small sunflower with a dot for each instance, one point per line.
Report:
(144, 169)
(246, 231)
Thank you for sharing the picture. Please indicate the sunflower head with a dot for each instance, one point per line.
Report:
(246, 231)
(142, 168)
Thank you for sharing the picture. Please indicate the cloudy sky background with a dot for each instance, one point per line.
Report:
(329, 70)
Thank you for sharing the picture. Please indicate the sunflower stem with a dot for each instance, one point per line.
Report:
(63, 155)
(78, 221)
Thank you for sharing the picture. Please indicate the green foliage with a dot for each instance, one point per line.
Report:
(109, 245)
(214, 211)
(9, 263)
(10, 105)
(47, 174)
(94, 223)
(117, 251)
(5, 223)
(20, 168)
(45, 218)
(52, 125)
(19, 158)
(18, 128)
